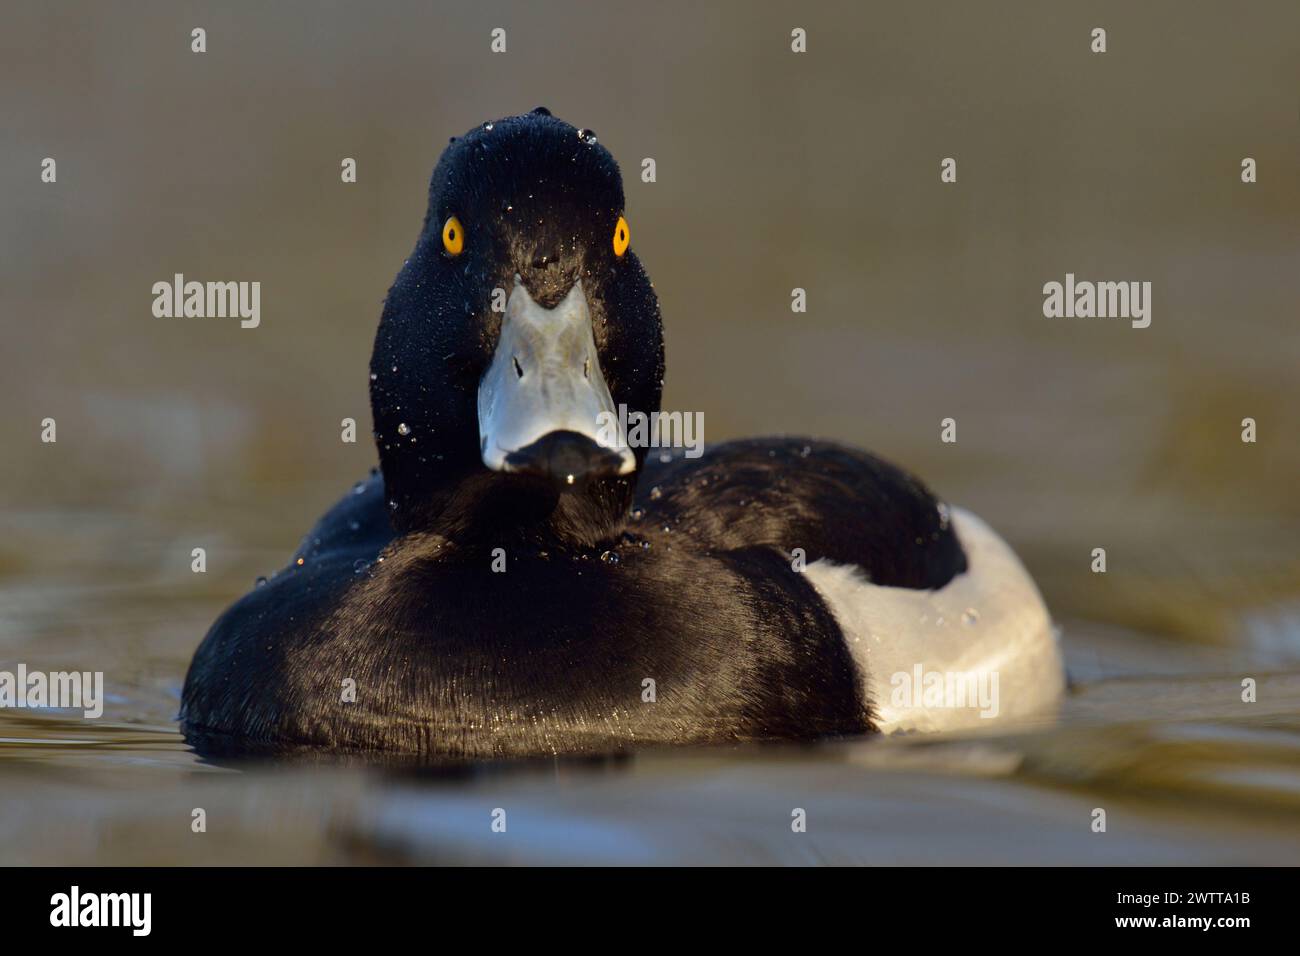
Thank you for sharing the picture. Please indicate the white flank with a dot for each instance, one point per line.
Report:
(988, 626)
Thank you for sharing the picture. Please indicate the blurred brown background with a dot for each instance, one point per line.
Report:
(775, 170)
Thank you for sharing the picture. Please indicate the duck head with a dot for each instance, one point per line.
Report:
(513, 333)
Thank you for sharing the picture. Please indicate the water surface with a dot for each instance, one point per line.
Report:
(774, 172)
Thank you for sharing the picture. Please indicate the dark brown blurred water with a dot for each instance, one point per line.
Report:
(775, 170)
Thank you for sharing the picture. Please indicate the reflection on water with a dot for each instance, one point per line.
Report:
(1178, 789)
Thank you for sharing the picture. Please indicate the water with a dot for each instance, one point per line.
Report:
(1153, 731)
(923, 302)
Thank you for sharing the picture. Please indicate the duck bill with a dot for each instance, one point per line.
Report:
(543, 405)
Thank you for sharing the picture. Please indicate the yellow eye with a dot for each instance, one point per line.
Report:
(622, 236)
(453, 236)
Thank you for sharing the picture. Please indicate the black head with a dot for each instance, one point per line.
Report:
(519, 318)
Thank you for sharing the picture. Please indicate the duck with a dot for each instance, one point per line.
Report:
(514, 580)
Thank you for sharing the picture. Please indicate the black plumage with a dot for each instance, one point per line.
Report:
(680, 575)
